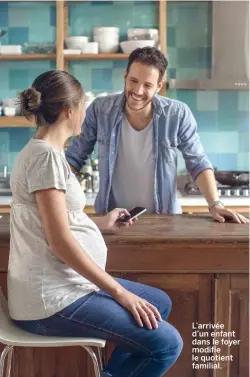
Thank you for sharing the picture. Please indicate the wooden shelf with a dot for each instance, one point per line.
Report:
(62, 22)
(117, 56)
(28, 57)
(16, 121)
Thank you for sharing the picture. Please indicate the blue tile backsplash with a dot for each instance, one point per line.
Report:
(222, 116)
(122, 14)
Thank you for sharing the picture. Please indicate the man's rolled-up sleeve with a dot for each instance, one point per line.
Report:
(190, 145)
(83, 145)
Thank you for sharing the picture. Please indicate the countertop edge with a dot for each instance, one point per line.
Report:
(184, 201)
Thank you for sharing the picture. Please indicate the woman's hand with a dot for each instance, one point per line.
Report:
(142, 310)
(109, 222)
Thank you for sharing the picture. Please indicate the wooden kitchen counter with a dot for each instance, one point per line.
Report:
(201, 264)
(5, 208)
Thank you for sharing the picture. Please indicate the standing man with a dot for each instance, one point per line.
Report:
(138, 134)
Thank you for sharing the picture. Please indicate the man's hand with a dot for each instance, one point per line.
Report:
(223, 214)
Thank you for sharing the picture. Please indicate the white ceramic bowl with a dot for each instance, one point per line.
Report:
(129, 46)
(107, 45)
(76, 42)
(143, 34)
(12, 103)
(105, 38)
(106, 30)
(90, 48)
(9, 111)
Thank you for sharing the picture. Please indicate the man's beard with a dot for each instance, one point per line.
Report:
(141, 108)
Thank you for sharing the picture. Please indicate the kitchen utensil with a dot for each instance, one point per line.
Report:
(129, 46)
(232, 178)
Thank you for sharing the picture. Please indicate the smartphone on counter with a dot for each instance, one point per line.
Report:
(135, 212)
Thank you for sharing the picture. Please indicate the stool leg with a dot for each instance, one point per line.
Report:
(94, 359)
(101, 357)
(9, 359)
(2, 358)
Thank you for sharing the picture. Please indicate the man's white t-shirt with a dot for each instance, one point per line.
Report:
(133, 179)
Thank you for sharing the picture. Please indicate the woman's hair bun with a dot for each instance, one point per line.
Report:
(30, 101)
(50, 93)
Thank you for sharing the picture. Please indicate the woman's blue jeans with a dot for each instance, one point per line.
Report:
(139, 352)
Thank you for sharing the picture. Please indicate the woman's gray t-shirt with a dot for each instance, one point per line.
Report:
(40, 284)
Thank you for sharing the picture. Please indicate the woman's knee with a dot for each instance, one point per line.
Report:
(170, 354)
(170, 340)
(177, 343)
(164, 302)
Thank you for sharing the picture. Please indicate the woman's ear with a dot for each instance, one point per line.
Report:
(68, 113)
